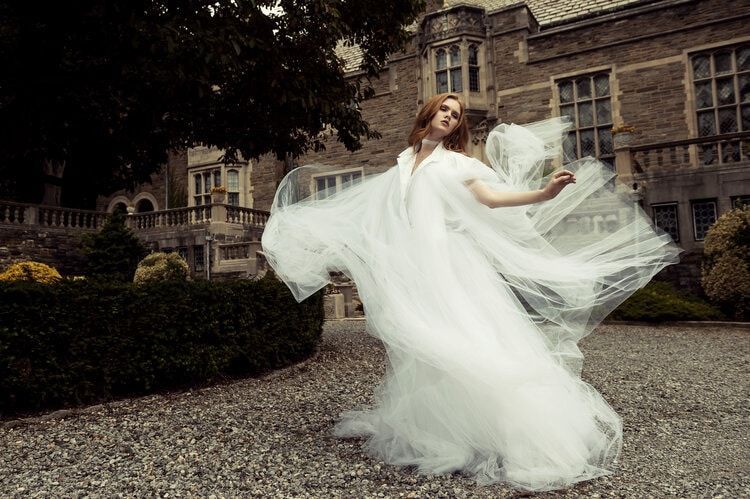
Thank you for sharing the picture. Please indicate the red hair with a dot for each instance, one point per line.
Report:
(454, 141)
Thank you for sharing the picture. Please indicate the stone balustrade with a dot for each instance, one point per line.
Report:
(699, 152)
(246, 216)
(177, 217)
(50, 216)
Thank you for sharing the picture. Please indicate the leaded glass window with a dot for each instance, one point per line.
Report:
(704, 216)
(587, 102)
(665, 217)
(473, 68)
(450, 65)
(448, 70)
(721, 87)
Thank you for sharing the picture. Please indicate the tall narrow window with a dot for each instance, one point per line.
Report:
(704, 216)
(455, 69)
(233, 187)
(665, 217)
(448, 75)
(198, 198)
(473, 68)
(587, 102)
(721, 86)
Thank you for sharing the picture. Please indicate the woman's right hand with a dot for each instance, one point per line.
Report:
(557, 183)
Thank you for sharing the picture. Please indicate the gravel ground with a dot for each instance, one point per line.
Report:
(682, 392)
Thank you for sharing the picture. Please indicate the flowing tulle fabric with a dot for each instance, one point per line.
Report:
(480, 310)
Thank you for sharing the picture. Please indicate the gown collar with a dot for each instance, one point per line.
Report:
(406, 164)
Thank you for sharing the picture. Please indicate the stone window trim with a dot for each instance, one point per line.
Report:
(213, 175)
(471, 67)
(670, 210)
(145, 196)
(704, 213)
(599, 103)
(334, 179)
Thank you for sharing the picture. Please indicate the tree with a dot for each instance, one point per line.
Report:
(102, 90)
(114, 252)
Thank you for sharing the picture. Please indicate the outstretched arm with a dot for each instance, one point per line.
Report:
(496, 199)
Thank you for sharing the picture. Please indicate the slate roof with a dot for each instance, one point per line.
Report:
(546, 12)
(551, 11)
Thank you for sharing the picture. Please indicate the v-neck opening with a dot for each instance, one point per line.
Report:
(416, 167)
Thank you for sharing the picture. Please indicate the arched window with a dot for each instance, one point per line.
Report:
(450, 65)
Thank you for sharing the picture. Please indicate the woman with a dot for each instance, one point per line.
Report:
(479, 281)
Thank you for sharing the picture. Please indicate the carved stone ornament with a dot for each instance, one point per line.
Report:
(458, 21)
(481, 130)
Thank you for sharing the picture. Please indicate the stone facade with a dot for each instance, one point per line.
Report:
(644, 49)
(525, 53)
(155, 195)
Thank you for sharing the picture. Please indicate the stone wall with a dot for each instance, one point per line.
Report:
(58, 247)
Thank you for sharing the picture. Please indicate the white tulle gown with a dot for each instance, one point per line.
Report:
(479, 309)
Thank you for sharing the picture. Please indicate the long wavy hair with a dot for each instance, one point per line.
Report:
(454, 141)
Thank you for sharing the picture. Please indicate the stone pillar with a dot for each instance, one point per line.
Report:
(347, 291)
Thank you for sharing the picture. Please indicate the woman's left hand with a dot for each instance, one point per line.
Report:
(557, 183)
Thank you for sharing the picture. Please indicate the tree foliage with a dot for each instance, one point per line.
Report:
(109, 87)
(113, 253)
(726, 263)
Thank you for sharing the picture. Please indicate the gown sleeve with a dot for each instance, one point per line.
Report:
(570, 260)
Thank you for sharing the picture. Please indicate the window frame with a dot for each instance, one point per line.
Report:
(464, 45)
(593, 98)
(693, 203)
(337, 175)
(676, 206)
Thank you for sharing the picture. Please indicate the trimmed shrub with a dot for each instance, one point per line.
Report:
(114, 252)
(82, 342)
(162, 267)
(659, 302)
(726, 263)
(30, 271)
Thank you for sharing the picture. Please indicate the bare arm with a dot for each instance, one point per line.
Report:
(496, 199)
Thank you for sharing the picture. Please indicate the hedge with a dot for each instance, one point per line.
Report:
(81, 342)
(659, 302)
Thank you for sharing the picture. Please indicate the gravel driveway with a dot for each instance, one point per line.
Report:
(682, 392)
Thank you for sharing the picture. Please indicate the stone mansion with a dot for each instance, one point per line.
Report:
(659, 90)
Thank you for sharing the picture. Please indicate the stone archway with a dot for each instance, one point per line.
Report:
(144, 205)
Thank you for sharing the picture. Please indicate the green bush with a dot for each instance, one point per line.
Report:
(726, 263)
(161, 266)
(659, 302)
(80, 342)
(113, 252)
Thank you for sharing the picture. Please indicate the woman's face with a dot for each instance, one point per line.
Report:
(445, 120)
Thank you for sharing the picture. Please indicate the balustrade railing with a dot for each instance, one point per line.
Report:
(12, 213)
(703, 151)
(49, 216)
(246, 216)
(176, 217)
